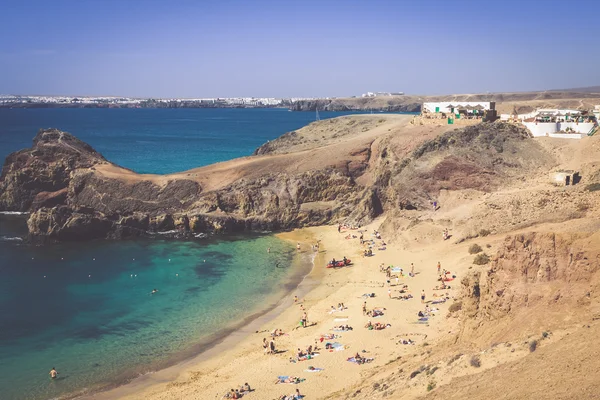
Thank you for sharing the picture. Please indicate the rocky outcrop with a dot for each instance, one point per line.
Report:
(73, 193)
(58, 181)
(44, 169)
(535, 279)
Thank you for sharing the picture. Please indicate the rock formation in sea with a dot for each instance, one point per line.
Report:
(349, 169)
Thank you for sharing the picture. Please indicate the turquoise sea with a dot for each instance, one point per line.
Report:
(87, 309)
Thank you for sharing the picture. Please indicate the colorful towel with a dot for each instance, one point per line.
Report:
(284, 378)
(313, 370)
(304, 358)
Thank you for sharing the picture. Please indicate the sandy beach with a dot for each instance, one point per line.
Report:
(240, 358)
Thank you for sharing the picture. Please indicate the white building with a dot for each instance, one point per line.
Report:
(556, 123)
(451, 107)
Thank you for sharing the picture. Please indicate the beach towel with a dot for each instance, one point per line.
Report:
(284, 378)
(340, 319)
(396, 269)
(424, 319)
(310, 357)
(313, 370)
(329, 336)
(335, 346)
(353, 360)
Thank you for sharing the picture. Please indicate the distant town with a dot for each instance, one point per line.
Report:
(18, 101)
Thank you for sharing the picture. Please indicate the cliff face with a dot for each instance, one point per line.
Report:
(351, 169)
(535, 281)
(65, 186)
(42, 173)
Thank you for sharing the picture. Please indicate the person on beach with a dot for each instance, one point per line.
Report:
(298, 246)
(364, 308)
(304, 319)
(295, 299)
(390, 293)
(272, 346)
(412, 270)
(423, 296)
(439, 267)
(53, 373)
(265, 345)
(339, 228)
(246, 388)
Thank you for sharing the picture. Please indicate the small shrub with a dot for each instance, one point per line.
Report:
(454, 358)
(417, 372)
(593, 187)
(432, 370)
(456, 306)
(533, 345)
(481, 259)
(484, 232)
(475, 248)
(475, 361)
(430, 386)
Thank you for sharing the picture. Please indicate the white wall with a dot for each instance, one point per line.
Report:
(551, 129)
(567, 135)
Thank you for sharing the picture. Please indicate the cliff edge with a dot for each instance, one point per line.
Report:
(345, 169)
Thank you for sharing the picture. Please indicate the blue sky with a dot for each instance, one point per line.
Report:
(295, 48)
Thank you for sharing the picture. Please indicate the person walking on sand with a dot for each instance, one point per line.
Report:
(298, 246)
(439, 267)
(390, 293)
(412, 270)
(305, 318)
(53, 373)
(365, 308)
(423, 296)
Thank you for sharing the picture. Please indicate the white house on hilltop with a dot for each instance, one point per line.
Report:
(557, 123)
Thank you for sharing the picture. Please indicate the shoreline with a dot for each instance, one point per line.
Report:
(243, 359)
(300, 281)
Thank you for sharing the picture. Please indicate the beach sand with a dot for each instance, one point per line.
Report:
(240, 358)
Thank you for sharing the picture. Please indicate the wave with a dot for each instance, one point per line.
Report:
(13, 213)
(11, 239)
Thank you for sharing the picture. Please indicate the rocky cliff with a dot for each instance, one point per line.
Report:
(73, 193)
(349, 169)
(536, 279)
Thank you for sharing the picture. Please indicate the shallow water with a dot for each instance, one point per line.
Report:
(88, 309)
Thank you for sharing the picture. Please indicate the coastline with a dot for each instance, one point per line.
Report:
(301, 281)
(239, 358)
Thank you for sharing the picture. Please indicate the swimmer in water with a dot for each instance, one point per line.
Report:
(154, 291)
(53, 373)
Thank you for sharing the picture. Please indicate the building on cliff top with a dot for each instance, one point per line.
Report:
(557, 123)
(458, 112)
